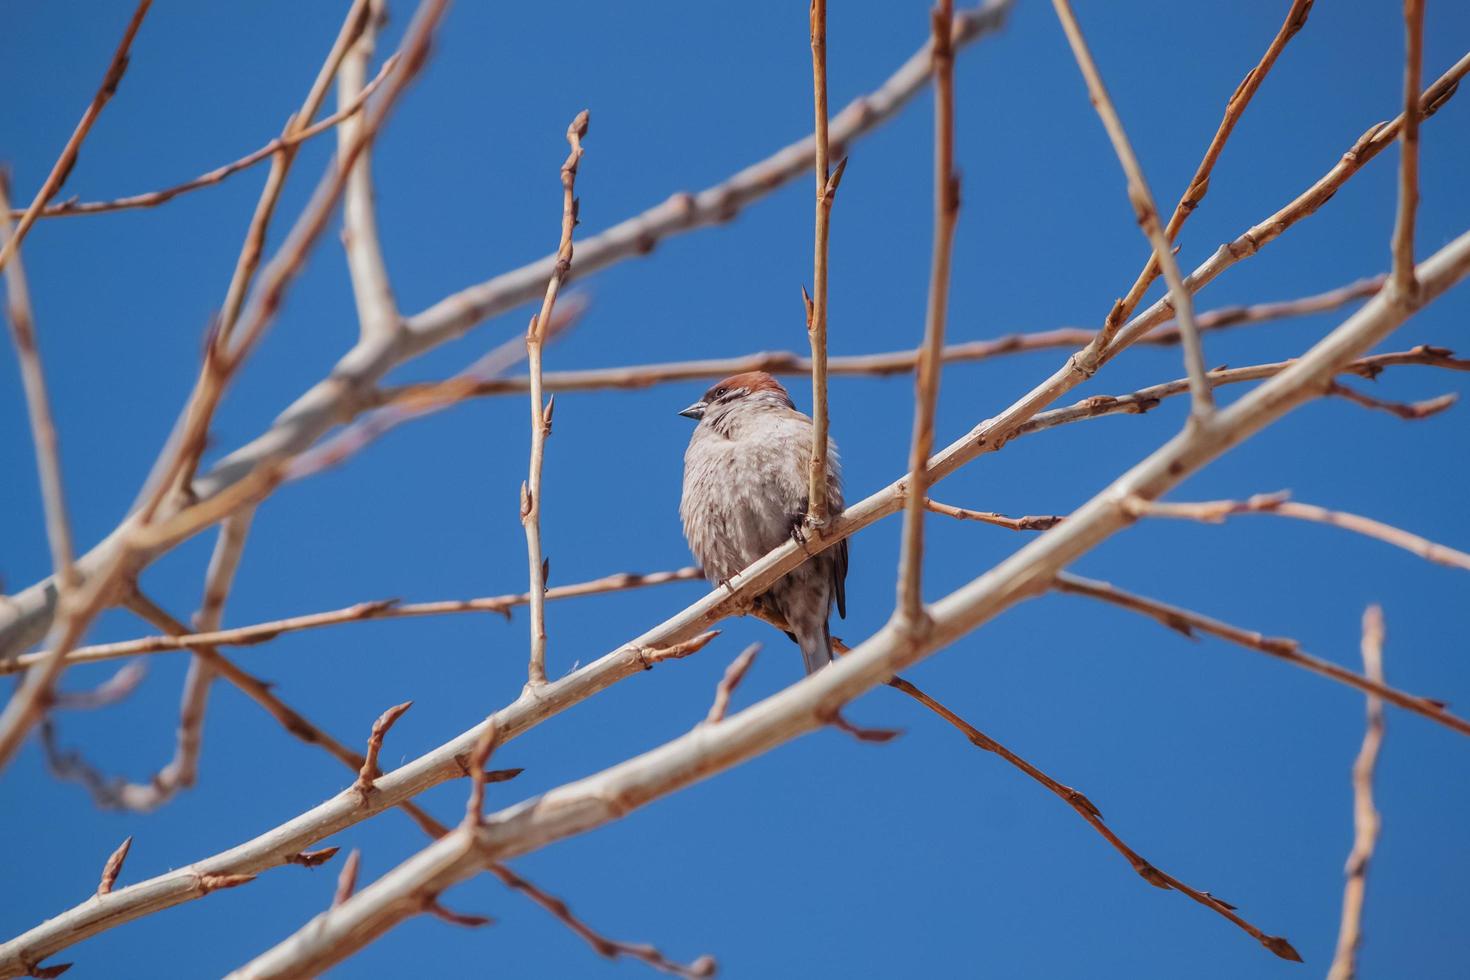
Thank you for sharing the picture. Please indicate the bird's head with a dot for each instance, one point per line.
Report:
(752, 386)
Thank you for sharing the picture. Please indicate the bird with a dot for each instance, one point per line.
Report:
(745, 492)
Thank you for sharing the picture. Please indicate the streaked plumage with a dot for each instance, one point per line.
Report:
(745, 492)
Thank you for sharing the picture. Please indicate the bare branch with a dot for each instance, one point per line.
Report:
(734, 674)
(1365, 816)
(540, 409)
(152, 199)
(377, 311)
(1403, 228)
(1215, 512)
(1199, 185)
(1087, 811)
(909, 608)
(116, 688)
(68, 159)
(1142, 199)
(879, 365)
(1186, 622)
(1031, 522)
(360, 612)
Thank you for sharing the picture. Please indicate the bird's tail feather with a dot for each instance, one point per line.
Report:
(816, 649)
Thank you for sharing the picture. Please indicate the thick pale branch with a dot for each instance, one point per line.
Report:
(1365, 816)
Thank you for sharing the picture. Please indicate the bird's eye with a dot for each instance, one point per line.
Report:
(721, 392)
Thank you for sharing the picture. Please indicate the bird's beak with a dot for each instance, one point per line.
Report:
(695, 411)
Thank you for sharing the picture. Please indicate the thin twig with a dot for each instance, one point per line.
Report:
(1031, 522)
(1215, 512)
(909, 606)
(68, 159)
(114, 866)
(1366, 821)
(1142, 199)
(153, 199)
(701, 968)
(876, 365)
(816, 308)
(1089, 812)
(1199, 184)
(369, 770)
(1186, 622)
(1403, 227)
(360, 612)
(540, 409)
(734, 674)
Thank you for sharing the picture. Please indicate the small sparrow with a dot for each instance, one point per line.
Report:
(745, 492)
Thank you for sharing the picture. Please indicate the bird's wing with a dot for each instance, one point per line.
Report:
(839, 577)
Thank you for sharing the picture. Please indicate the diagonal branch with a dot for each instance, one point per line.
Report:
(1142, 199)
(360, 612)
(1186, 622)
(1087, 811)
(68, 159)
(152, 199)
(1199, 184)
(1215, 512)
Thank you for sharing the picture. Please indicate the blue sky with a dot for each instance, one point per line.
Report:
(825, 857)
